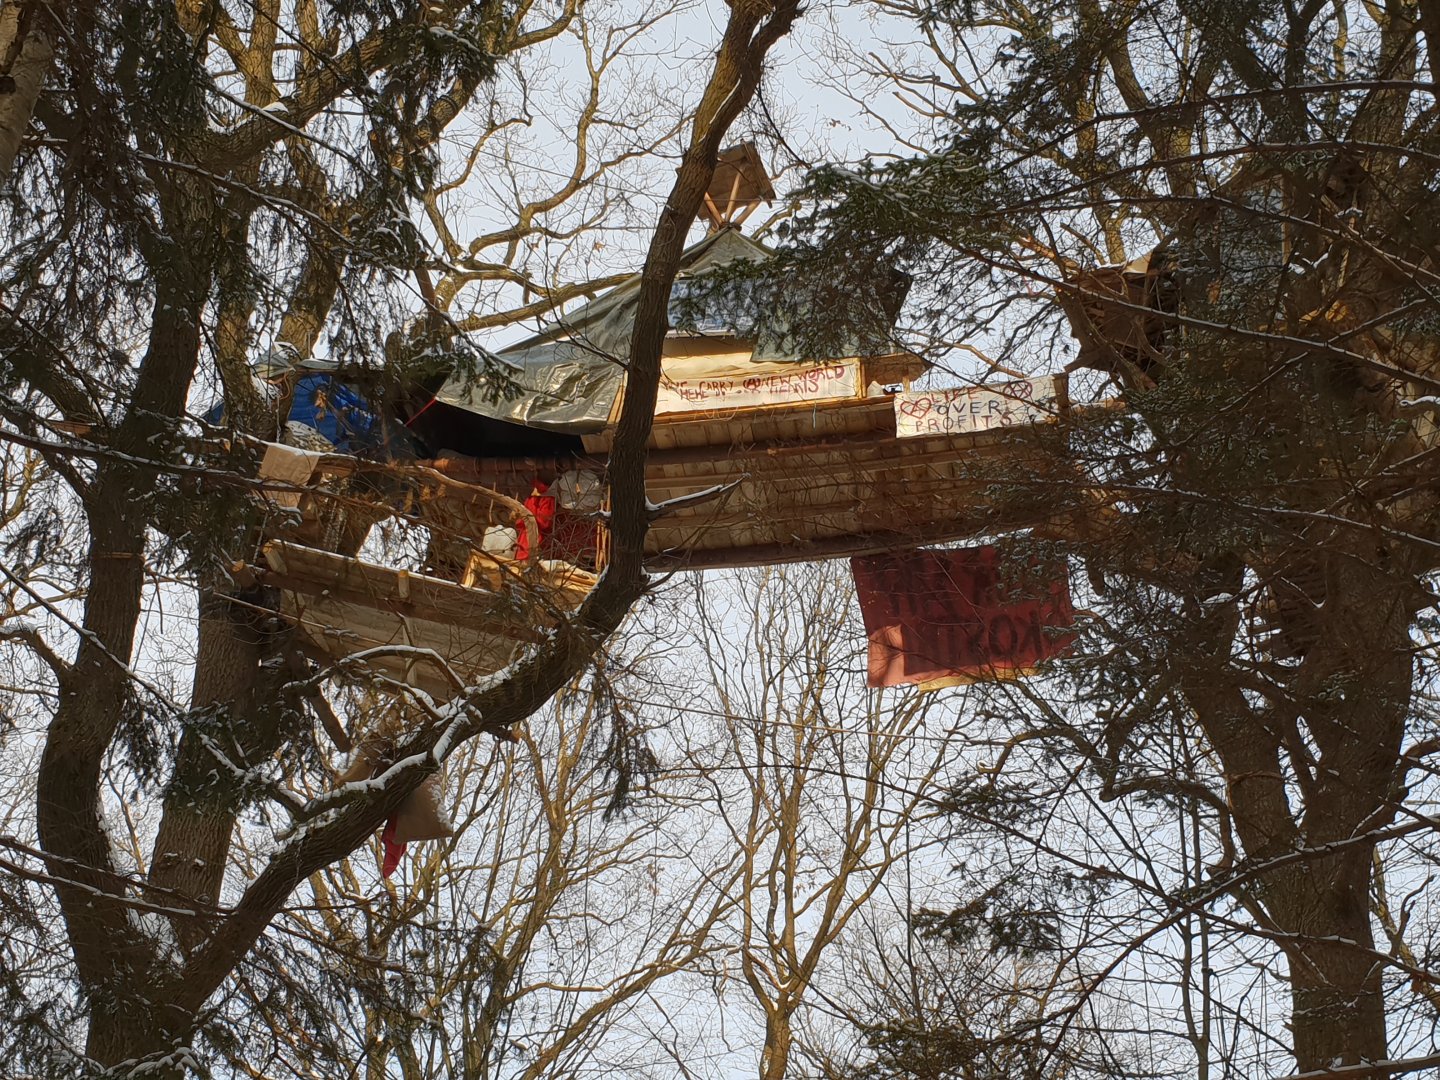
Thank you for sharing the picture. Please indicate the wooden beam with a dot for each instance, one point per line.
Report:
(733, 199)
(310, 572)
(332, 632)
(839, 547)
(723, 453)
(843, 458)
(475, 614)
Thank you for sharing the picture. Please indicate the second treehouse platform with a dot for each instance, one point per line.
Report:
(457, 614)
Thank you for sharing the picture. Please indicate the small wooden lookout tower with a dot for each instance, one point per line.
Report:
(739, 185)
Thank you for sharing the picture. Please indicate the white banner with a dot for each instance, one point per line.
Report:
(976, 408)
(774, 384)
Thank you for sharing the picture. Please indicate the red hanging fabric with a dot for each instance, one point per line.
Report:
(393, 850)
(542, 505)
(948, 615)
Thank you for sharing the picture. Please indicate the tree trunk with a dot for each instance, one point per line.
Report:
(127, 970)
(1351, 700)
(25, 53)
(775, 1057)
(138, 1031)
(235, 710)
(1356, 686)
(1338, 1004)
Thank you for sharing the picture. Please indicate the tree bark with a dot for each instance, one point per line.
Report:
(775, 1057)
(236, 712)
(1337, 1001)
(126, 972)
(126, 969)
(1351, 696)
(25, 54)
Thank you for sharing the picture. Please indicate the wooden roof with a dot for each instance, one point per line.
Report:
(738, 185)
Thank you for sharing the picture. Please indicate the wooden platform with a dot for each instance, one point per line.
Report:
(831, 480)
(751, 486)
(407, 622)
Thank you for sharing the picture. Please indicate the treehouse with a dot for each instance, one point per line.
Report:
(762, 450)
(1120, 315)
(766, 447)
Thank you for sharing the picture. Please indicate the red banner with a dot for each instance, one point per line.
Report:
(948, 615)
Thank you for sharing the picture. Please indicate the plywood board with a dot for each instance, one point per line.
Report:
(1016, 404)
(749, 385)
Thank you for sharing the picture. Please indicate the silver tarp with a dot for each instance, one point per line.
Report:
(570, 373)
(563, 386)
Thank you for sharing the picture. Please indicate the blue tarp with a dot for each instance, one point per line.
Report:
(333, 409)
(337, 412)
